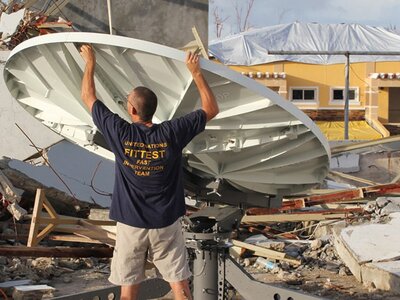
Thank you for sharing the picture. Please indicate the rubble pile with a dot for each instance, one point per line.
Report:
(382, 207)
(20, 20)
(20, 189)
(323, 264)
(44, 269)
(47, 271)
(303, 251)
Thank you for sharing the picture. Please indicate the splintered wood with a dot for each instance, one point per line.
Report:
(87, 231)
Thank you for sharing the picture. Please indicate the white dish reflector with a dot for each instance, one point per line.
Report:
(259, 142)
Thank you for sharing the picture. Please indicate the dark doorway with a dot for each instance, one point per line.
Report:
(394, 105)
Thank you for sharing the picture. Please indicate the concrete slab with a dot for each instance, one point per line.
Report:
(76, 166)
(384, 275)
(346, 163)
(372, 252)
(374, 242)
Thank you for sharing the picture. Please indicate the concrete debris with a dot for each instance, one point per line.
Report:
(346, 163)
(10, 22)
(316, 244)
(8, 286)
(32, 292)
(371, 250)
(17, 211)
(20, 186)
(18, 24)
(382, 207)
(374, 259)
(294, 251)
(10, 197)
(17, 274)
(330, 184)
(8, 190)
(262, 240)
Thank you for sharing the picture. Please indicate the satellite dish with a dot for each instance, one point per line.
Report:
(258, 143)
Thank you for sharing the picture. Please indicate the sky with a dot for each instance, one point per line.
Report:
(385, 13)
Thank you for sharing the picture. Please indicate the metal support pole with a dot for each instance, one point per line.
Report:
(205, 275)
(109, 15)
(346, 96)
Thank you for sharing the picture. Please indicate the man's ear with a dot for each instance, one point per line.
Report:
(133, 110)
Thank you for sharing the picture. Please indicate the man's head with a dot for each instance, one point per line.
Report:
(144, 104)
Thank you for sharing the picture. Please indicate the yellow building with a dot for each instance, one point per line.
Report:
(318, 89)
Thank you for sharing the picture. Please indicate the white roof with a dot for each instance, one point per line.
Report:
(250, 48)
(258, 142)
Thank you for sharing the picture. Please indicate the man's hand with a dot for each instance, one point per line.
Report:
(208, 102)
(87, 54)
(192, 63)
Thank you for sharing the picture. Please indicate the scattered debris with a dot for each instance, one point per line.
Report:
(315, 242)
(33, 292)
(18, 23)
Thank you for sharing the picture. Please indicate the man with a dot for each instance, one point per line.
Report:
(148, 197)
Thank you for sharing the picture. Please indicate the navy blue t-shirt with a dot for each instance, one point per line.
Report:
(148, 189)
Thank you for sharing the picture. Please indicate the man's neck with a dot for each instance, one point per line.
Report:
(139, 121)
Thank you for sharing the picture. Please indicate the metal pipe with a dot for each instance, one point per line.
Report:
(109, 15)
(282, 52)
(205, 275)
(346, 96)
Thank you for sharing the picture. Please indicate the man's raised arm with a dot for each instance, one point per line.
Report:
(208, 102)
(88, 92)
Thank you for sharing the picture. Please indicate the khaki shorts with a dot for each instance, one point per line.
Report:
(165, 247)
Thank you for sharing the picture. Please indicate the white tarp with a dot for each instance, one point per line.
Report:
(250, 48)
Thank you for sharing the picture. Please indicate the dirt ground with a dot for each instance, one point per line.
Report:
(326, 284)
(318, 282)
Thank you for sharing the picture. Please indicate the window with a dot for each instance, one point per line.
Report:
(300, 94)
(337, 95)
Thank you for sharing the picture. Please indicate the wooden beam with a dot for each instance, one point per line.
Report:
(72, 238)
(97, 234)
(354, 178)
(35, 222)
(87, 230)
(261, 251)
(199, 42)
(19, 251)
(293, 217)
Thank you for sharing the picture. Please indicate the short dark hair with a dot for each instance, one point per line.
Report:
(145, 103)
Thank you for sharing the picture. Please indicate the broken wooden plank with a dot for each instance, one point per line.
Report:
(335, 197)
(52, 222)
(72, 238)
(293, 217)
(270, 232)
(33, 239)
(20, 251)
(349, 195)
(382, 189)
(72, 220)
(286, 205)
(354, 178)
(97, 234)
(268, 253)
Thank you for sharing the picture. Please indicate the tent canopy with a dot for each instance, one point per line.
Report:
(251, 47)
